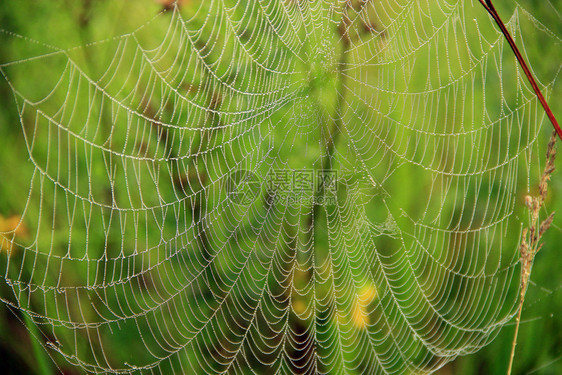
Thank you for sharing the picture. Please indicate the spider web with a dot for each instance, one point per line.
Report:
(139, 233)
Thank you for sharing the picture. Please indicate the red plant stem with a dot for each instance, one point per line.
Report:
(492, 10)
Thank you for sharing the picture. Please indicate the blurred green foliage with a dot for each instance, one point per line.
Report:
(74, 26)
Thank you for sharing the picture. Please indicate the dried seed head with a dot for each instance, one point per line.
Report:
(536, 205)
(532, 236)
(550, 149)
(548, 168)
(546, 224)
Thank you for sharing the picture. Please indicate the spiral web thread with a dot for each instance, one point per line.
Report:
(131, 236)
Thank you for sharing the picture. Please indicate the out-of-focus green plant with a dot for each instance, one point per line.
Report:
(157, 270)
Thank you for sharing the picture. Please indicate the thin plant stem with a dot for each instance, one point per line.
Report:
(514, 342)
(530, 241)
(517, 323)
(335, 130)
(530, 244)
(487, 4)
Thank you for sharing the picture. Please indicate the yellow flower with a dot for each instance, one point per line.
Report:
(299, 307)
(9, 228)
(366, 295)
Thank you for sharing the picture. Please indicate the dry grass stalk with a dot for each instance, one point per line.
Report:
(531, 236)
